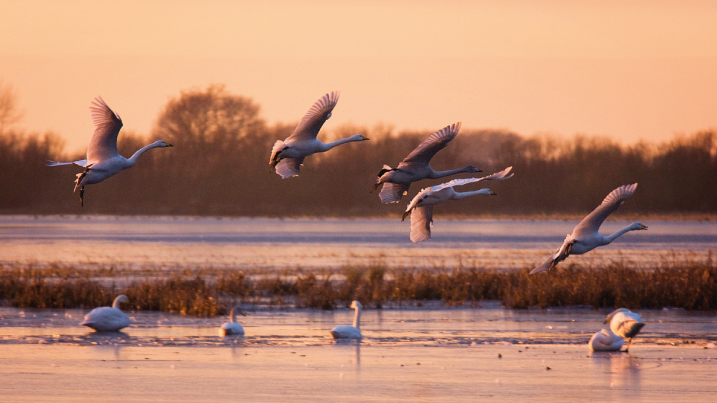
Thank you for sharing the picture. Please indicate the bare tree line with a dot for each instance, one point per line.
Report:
(219, 166)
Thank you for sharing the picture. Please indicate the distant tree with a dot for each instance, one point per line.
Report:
(9, 112)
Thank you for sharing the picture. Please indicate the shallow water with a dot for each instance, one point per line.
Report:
(391, 327)
(136, 242)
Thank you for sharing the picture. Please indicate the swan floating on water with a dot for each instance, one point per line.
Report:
(233, 328)
(585, 236)
(348, 331)
(415, 167)
(107, 319)
(288, 155)
(103, 159)
(605, 340)
(421, 207)
(625, 323)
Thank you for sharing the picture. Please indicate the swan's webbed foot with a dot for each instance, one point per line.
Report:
(405, 214)
(82, 196)
(374, 187)
(627, 349)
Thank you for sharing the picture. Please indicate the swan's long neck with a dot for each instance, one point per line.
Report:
(615, 235)
(328, 146)
(441, 174)
(116, 303)
(357, 317)
(463, 195)
(133, 159)
(233, 315)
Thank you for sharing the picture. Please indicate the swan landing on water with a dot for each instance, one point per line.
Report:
(347, 331)
(585, 236)
(107, 319)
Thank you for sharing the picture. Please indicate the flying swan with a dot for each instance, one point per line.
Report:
(415, 167)
(106, 319)
(625, 323)
(421, 207)
(103, 160)
(288, 155)
(605, 340)
(585, 236)
(347, 331)
(232, 328)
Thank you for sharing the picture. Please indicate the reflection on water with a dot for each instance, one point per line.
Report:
(136, 242)
(620, 371)
(390, 327)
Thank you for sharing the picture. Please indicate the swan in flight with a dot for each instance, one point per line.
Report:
(605, 340)
(232, 328)
(106, 319)
(415, 167)
(288, 155)
(625, 323)
(421, 207)
(347, 331)
(103, 160)
(585, 236)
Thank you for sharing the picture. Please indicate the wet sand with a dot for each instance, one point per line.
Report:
(348, 372)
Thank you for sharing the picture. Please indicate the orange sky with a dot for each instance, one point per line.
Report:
(624, 69)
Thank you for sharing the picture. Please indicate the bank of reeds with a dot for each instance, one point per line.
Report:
(690, 285)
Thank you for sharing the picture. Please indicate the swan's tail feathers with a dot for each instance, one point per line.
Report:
(288, 167)
(392, 192)
(421, 222)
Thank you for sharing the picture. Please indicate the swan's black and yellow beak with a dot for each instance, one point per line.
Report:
(492, 193)
(364, 138)
(168, 145)
(643, 226)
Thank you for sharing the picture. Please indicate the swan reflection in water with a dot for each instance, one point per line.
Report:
(621, 373)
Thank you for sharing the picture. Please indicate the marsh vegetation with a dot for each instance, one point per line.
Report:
(688, 285)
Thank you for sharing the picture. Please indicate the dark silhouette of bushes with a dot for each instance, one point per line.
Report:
(219, 166)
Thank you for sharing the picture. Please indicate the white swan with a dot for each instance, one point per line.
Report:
(421, 207)
(625, 323)
(347, 331)
(106, 319)
(585, 236)
(605, 340)
(103, 160)
(288, 155)
(233, 328)
(396, 181)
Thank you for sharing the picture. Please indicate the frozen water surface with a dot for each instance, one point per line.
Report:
(136, 242)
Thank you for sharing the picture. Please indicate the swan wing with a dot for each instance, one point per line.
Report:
(392, 192)
(289, 167)
(592, 222)
(106, 319)
(103, 144)
(346, 332)
(434, 143)
(82, 163)
(499, 176)
(421, 221)
(311, 123)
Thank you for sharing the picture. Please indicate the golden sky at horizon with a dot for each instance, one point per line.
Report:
(628, 70)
